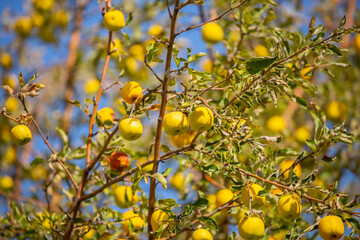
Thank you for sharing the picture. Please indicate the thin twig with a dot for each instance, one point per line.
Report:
(211, 20)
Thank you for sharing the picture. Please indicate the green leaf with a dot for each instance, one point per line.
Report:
(21, 80)
(166, 172)
(196, 57)
(334, 49)
(161, 179)
(209, 222)
(302, 103)
(37, 161)
(63, 135)
(255, 65)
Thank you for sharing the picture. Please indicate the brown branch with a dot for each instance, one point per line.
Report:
(351, 9)
(161, 115)
(211, 20)
(89, 163)
(71, 62)
(152, 70)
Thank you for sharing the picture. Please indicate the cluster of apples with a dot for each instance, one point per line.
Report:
(251, 225)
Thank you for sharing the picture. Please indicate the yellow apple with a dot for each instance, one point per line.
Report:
(114, 20)
(178, 181)
(276, 124)
(240, 214)
(302, 134)
(131, 65)
(155, 30)
(212, 33)
(6, 61)
(289, 207)
(105, 117)
(336, 111)
(261, 51)
(357, 44)
(331, 228)
(201, 119)
(38, 172)
(182, 140)
(23, 26)
(61, 18)
(43, 5)
(11, 155)
(176, 123)
(92, 86)
(131, 91)
(202, 234)
(257, 201)
(21, 134)
(223, 196)
(147, 168)
(11, 104)
(251, 228)
(137, 51)
(286, 164)
(116, 48)
(159, 218)
(130, 129)
(207, 65)
(135, 219)
(6, 183)
(124, 197)
(38, 20)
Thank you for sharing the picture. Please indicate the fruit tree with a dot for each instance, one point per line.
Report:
(180, 119)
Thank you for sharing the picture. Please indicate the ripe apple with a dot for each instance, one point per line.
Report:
(155, 30)
(43, 5)
(223, 196)
(182, 140)
(257, 201)
(61, 18)
(105, 117)
(6, 183)
(116, 48)
(178, 181)
(137, 51)
(212, 33)
(135, 219)
(302, 133)
(114, 20)
(261, 51)
(201, 119)
(12, 104)
(130, 129)
(251, 228)
(331, 228)
(276, 124)
(147, 168)
(124, 197)
(6, 61)
(336, 111)
(158, 219)
(286, 164)
(131, 91)
(202, 234)
(118, 161)
(21, 134)
(91, 86)
(176, 123)
(23, 26)
(289, 207)
(357, 44)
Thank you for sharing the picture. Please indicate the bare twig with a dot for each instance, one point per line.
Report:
(211, 20)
